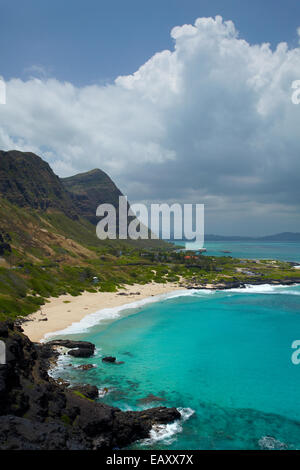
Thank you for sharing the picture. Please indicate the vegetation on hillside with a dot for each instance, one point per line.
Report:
(27, 286)
(48, 243)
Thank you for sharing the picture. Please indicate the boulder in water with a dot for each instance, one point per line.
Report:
(110, 359)
(81, 352)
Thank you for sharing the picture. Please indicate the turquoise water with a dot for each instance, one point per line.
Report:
(285, 251)
(223, 356)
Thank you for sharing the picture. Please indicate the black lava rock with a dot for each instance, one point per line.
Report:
(89, 391)
(110, 359)
(36, 413)
(70, 344)
(81, 352)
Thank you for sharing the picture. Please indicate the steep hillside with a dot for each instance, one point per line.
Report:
(35, 235)
(48, 243)
(43, 217)
(28, 181)
(91, 189)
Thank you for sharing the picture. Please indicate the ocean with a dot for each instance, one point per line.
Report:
(223, 358)
(284, 251)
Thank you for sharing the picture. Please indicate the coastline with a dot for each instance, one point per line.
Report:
(172, 427)
(58, 417)
(61, 312)
(163, 433)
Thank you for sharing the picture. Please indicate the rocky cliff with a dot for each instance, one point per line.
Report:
(38, 414)
(28, 181)
(90, 189)
(42, 215)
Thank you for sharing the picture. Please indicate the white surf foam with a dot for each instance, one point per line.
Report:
(265, 289)
(102, 392)
(60, 365)
(108, 314)
(166, 433)
(252, 289)
(270, 443)
(248, 289)
(111, 313)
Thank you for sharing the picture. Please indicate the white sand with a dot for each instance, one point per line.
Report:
(62, 311)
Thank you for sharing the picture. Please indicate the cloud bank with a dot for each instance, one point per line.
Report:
(211, 121)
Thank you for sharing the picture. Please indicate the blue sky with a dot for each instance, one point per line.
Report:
(209, 120)
(94, 41)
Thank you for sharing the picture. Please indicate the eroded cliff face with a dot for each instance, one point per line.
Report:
(91, 189)
(39, 414)
(28, 181)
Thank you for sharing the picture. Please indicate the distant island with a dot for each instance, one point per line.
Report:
(278, 237)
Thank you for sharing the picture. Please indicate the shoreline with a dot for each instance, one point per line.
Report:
(62, 418)
(61, 312)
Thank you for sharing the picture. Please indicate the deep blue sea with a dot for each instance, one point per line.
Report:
(222, 357)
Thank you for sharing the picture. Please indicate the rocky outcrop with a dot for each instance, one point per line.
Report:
(77, 348)
(89, 391)
(86, 366)
(5, 247)
(236, 284)
(81, 352)
(37, 413)
(110, 359)
(70, 344)
(18, 433)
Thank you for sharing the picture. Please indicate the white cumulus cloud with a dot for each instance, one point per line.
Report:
(211, 121)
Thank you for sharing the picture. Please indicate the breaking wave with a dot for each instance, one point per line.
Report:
(167, 432)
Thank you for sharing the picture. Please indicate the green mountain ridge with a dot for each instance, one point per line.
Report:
(44, 216)
(48, 241)
(49, 247)
(26, 180)
(90, 189)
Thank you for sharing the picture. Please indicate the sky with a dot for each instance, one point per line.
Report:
(179, 101)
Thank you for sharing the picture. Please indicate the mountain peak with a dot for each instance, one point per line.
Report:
(90, 189)
(28, 181)
(95, 171)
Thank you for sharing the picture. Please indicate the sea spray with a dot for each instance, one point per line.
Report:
(167, 432)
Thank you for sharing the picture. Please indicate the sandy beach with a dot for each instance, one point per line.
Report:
(62, 311)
